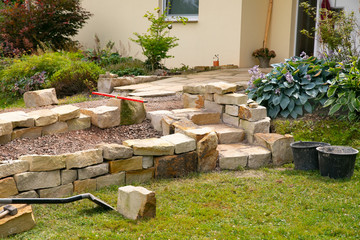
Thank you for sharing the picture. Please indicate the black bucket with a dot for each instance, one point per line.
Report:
(337, 161)
(305, 155)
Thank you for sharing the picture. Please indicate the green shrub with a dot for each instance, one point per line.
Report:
(128, 66)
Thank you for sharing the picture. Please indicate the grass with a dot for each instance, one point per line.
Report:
(263, 204)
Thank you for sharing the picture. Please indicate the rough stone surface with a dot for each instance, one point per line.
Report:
(167, 125)
(202, 118)
(32, 132)
(148, 162)
(261, 126)
(134, 163)
(68, 176)
(258, 157)
(175, 165)
(193, 101)
(21, 222)
(41, 163)
(132, 112)
(6, 127)
(106, 83)
(103, 116)
(231, 158)
(183, 125)
(232, 110)
(232, 98)
(58, 127)
(112, 151)
(207, 153)
(87, 185)
(194, 89)
(7, 187)
(220, 88)
(136, 202)
(213, 107)
(35, 180)
(93, 171)
(81, 123)
(184, 112)
(28, 194)
(151, 146)
(43, 117)
(181, 142)
(139, 176)
(8, 168)
(40, 98)
(252, 114)
(227, 134)
(279, 145)
(57, 192)
(156, 117)
(209, 97)
(5, 139)
(198, 133)
(83, 158)
(18, 119)
(67, 112)
(231, 120)
(110, 179)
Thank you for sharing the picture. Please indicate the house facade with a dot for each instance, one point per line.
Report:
(233, 29)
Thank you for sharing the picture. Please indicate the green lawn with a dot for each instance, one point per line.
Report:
(262, 204)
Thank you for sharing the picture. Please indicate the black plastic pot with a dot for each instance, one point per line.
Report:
(337, 161)
(305, 155)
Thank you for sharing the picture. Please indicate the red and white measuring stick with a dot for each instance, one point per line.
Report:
(118, 97)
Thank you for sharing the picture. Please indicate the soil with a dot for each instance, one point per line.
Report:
(87, 139)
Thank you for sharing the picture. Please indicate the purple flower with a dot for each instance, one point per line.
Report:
(277, 91)
(308, 77)
(289, 77)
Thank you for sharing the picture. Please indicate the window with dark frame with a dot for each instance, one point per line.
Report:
(182, 8)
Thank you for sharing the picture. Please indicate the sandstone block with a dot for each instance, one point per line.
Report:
(232, 159)
(87, 185)
(232, 110)
(68, 176)
(21, 222)
(220, 87)
(175, 165)
(279, 145)
(132, 112)
(112, 151)
(183, 125)
(181, 142)
(231, 120)
(151, 146)
(7, 187)
(213, 107)
(43, 117)
(184, 112)
(18, 119)
(40, 98)
(194, 89)
(130, 164)
(232, 98)
(110, 179)
(58, 127)
(57, 192)
(83, 158)
(261, 126)
(252, 114)
(107, 84)
(202, 118)
(6, 127)
(167, 125)
(227, 135)
(33, 132)
(198, 133)
(139, 176)
(193, 101)
(258, 156)
(93, 171)
(209, 97)
(136, 202)
(103, 116)
(67, 112)
(36, 180)
(8, 168)
(5, 139)
(28, 194)
(41, 163)
(83, 122)
(207, 153)
(156, 117)
(148, 162)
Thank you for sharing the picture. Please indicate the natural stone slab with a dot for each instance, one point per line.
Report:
(183, 125)
(8, 168)
(231, 158)
(136, 202)
(231, 120)
(7, 187)
(220, 87)
(21, 222)
(156, 117)
(134, 163)
(67, 112)
(139, 176)
(151, 146)
(93, 171)
(106, 83)
(198, 133)
(194, 88)
(207, 153)
(175, 165)
(131, 112)
(28, 194)
(155, 93)
(258, 157)
(36, 180)
(181, 142)
(57, 192)
(232, 98)
(261, 126)
(202, 118)
(32, 132)
(83, 158)
(68, 176)
(18, 119)
(58, 127)
(43, 117)
(184, 112)
(252, 114)
(6, 127)
(40, 98)
(148, 162)
(83, 122)
(112, 151)
(278, 144)
(110, 179)
(103, 116)
(167, 125)
(213, 107)
(232, 110)
(227, 135)
(87, 185)
(209, 97)
(193, 101)
(41, 163)
(5, 139)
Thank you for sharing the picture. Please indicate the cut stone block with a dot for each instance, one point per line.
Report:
(213, 107)
(181, 142)
(198, 133)
(156, 117)
(83, 158)
(220, 87)
(103, 116)
(87, 185)
(252, 114)
(207, 153)
(202, 118)
(184, 112)
(151, 146)
(232, 98)
(175, 165)
(43, 117)
(8, 187)
(6, 127)
(106, 83)
(136, 203)
(258, 157)
(57, 192)
(28, 194)
(231, 120)
(41, 163)
(279, 145)
(8, 168)
(232, 159)
(226, 134)
(232, 110)
(209, 97)
(194, 89)
(18, 119)
(167, 125)
(5, 139)
(134, 163)
(183, 125)
(110, 179)
(36, 180)
(132, 112)
(139, 176)
(93, 171)
(21, 222)
(112, 151)
(40, 98)
(148, 162)
(193, 101)
(67, 112)
(68, 176)
(83, 122)
(261, 126)
(33, 132)
(58, 127)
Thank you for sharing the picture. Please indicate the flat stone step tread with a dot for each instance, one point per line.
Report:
(153, 94)
(205, 117)
(227, 134)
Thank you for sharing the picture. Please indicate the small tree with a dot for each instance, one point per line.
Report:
(156, 43)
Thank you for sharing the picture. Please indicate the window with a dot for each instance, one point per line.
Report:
(183, 8)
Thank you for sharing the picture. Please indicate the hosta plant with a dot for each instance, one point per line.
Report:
(291, 87)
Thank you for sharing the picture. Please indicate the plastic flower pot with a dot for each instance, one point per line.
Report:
(264, 62)
(337, 161)
(305, 155)
(215, 63)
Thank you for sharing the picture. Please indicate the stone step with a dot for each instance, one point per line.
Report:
(204, 117)
(227, 134)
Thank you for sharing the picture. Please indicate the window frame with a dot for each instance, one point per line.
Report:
(173, 17)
